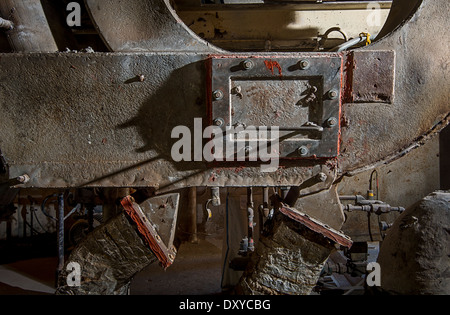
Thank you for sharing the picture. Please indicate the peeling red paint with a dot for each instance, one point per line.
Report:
(271, 65)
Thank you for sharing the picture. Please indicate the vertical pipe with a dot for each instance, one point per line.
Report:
(193, 214)
(31, 32)
(266, 202)
(90, 217)
(60, 234)
(251, 243)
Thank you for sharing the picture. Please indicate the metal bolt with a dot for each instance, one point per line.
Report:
(218, 95)
(304, 64)
(219, 122)
(237, 89)
(333, 94)
(23, 179)
(331, 122)
(247, 64)
(322, 177)
(303, 150)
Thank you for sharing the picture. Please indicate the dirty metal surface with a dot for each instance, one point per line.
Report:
(372, 76)
(374, 133)
(87, 120)
(293, 94)
(317, 226)
(74, 120)
(150, 230)
(162, 212)
(323, 206)
(142, 26)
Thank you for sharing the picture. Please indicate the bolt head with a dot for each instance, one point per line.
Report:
(303, 151)
(247, 64)
(219, 122)
(331, 122)
(217, 95)
(333, 94)
(304, 64)
(322, 177)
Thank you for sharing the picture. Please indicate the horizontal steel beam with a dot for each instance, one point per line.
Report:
(286, 5)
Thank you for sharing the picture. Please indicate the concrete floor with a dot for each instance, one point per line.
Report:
(197, 271)
(28, 277)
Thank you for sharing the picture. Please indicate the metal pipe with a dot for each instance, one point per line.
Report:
(60, 234)
(31, 32)
(348, 197)
(351, 43)
(90, 217)
(193, 214)
(251, 215)
(215, 196)
(266, 202)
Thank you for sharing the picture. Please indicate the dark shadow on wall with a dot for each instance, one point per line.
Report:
(180, 100)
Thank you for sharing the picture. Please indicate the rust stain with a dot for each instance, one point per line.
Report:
(350, 65)
(317, 227)
(271, 65)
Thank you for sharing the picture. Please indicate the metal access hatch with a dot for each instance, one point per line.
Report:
(300, 96)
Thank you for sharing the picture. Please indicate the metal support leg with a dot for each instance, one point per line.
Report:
(251, 244)
(60, 234)
(193, 214)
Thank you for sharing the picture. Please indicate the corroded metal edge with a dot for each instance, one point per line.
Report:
(316, 226)
(165, 255)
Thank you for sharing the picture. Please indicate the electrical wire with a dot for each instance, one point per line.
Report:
(39, 222)
(43, 206)
(371, 182)
(363, 37)
(370, 229)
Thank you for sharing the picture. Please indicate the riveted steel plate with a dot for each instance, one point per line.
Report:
(300, 96)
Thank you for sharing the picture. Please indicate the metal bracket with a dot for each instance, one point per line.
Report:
(148, 229)
(299, 95)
